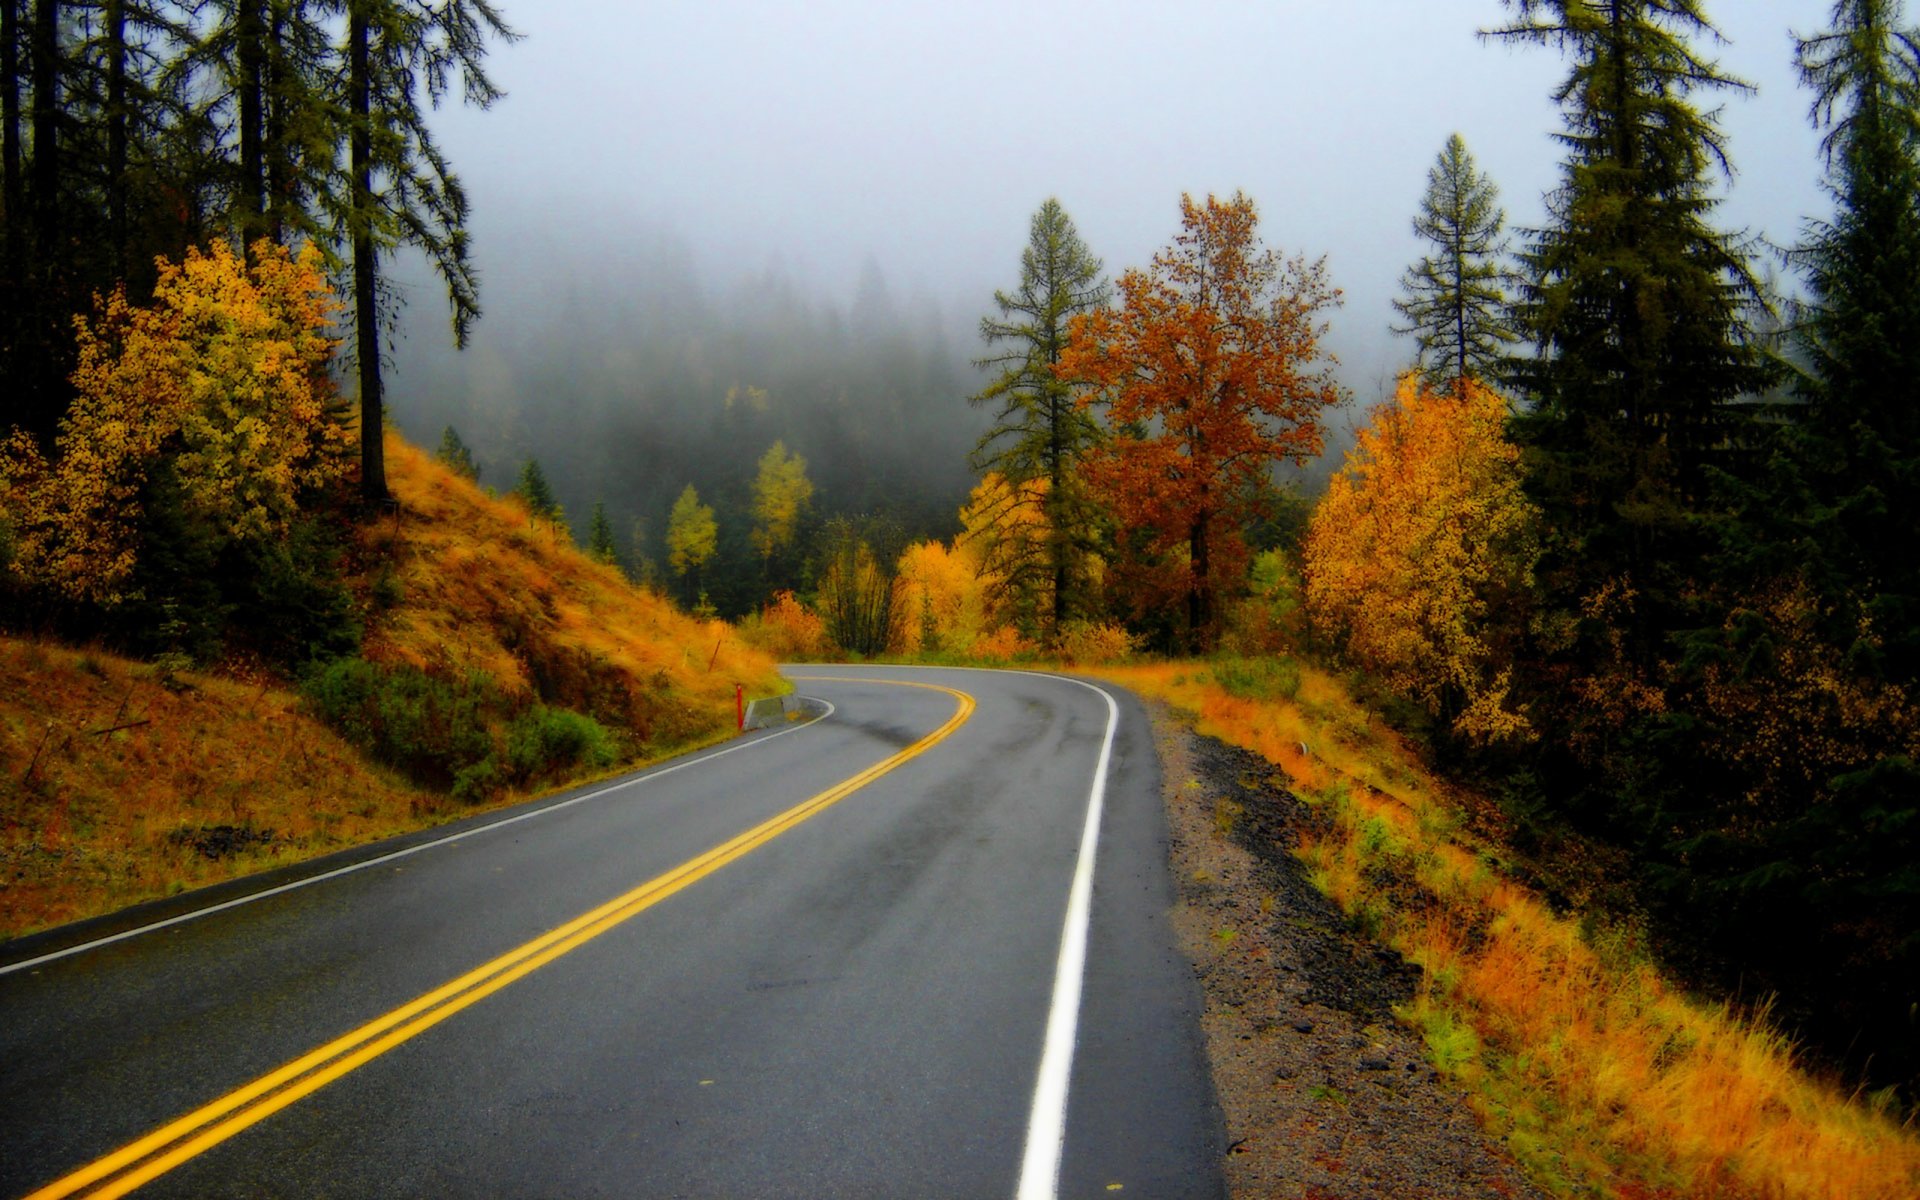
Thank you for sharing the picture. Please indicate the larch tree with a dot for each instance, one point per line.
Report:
(693, 537)
(1209, 372)
(400, 190)
(1039, 433)
(781, 491)
(1454, 300)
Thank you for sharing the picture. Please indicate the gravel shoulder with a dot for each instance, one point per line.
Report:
(1326, 1095)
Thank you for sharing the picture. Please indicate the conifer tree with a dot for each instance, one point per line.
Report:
(1636, 305)
(537, 494)
(455, 453)
(400, 190)
(1858, 446)
(1039, 432)
(600, 545)
(1454, 300)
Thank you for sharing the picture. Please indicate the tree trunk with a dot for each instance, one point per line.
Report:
(45, 183)
(366, 259)
(250, 53)
(1200, 596)
(273, 89)
(116, 31)
(14, 193)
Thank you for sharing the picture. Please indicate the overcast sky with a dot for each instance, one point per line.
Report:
(922, 135)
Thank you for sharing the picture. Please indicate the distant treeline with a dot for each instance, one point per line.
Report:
(629, 378)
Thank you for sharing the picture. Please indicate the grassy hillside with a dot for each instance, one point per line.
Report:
(123, 781)
(1603, 1077)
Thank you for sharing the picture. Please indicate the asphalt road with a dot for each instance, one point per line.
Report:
(853, 1001)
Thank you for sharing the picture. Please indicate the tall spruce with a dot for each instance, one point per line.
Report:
(1637, 306)
(1454, 300)
(1038, 431)
(1859, 444)
(400, 190)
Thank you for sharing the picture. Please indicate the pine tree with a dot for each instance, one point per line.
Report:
(600, 545)
(454, 453)
(1858, 446)
(1454, 299)
(1636, 305)
(397, 53)
(537, 494)
(1039, 432)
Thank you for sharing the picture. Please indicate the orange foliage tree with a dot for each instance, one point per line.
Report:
(225, 375)
(1420, 557)
(1207, 375)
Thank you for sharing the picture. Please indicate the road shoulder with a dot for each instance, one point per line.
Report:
(1325, 1094)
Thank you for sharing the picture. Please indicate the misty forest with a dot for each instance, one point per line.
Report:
(1627, 545)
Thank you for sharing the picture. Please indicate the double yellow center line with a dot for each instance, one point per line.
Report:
(142, 1161)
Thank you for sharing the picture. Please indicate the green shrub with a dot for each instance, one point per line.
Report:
(549, 741)
(429, 729)
(1258, 678)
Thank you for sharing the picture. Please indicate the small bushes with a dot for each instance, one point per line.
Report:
(427, 728)
(545, 741)
(441, 733)
(1258, 678)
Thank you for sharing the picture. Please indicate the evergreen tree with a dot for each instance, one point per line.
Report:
(600, 537)
(1454, 299)
(400, 190)
(455, 454)
(1858, 446)
(537, 494)
(1636, 305)
(1039, 432)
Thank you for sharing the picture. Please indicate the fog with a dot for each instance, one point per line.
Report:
(666, 179)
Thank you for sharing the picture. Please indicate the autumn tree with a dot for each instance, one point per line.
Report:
(781, 491)
(856, 593)
(1209, 373)
(1039, 433)
(1454, 299)
(223, 383)
(1419, 558)
(693, 537)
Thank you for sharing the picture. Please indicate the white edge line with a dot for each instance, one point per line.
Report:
(349, 869)
(1047, 1122)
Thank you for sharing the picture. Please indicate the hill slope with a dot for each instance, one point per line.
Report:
(123, 781)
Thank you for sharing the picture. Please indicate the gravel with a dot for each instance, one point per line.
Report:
(1326, 1095)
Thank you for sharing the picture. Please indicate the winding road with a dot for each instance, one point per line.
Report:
(917, 947)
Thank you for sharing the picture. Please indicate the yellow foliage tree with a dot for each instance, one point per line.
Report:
(780, 493)
(225, 374)
(693, 536)
(1420, 557)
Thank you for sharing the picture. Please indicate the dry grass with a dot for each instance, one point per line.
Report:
(211, 778)
(483, 586)
(91, 820)
(1604, 1079)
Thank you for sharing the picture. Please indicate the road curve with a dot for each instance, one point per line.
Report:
(820, 962)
